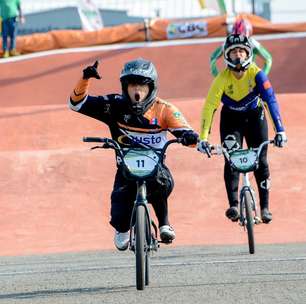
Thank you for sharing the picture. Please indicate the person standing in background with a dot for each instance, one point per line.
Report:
(11, 14)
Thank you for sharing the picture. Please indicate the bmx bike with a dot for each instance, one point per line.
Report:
(139, 163)
(245, 161)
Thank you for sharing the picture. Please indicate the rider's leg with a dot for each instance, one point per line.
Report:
(257, 133)
(122, 202)
(158, 192)
(231, 123)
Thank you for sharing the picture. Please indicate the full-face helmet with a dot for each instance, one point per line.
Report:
(139, 71)
(237, 41)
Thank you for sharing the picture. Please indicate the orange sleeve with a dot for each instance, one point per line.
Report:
(80, 91)
(174, 119)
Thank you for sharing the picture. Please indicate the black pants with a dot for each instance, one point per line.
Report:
(251, 125)
(124, 194)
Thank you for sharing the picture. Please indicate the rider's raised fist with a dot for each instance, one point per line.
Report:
(92, 71)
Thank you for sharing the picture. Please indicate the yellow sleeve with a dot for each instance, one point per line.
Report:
(211, 104)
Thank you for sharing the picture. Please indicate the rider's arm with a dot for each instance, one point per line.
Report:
(98, 107)
(80, 92)
(218, 52)
(267, 95)
(210, 106)
(264, 54)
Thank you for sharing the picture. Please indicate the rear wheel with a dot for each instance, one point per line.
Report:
(248, 203)
(140, 247)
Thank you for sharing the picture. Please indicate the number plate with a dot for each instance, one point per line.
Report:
(243, 160)
(141, 162)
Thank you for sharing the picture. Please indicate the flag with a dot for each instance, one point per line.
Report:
(202, 4)
(90, 15)
(217, 5)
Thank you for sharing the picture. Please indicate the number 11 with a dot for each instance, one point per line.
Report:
(140, 163)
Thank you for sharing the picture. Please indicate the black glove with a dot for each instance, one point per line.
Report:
(189, 138)
(91, 71)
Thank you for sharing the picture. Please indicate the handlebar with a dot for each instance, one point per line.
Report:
(94, 139)
(219, 150)
(111, 143)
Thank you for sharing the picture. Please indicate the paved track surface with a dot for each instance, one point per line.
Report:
(189, 275)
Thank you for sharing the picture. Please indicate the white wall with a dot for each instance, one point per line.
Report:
(288, 11)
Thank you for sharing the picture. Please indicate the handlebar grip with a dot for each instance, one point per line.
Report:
(93, 139)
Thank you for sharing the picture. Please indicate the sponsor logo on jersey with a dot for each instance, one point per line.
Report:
(154, 140)
(127, 117)
(154, 121)
(250, 86)
(148, 139)
(106, 108)
(267, 85)
(230, 90)
(177, 114)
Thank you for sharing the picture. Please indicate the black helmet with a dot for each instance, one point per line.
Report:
(237, 41)
(139, 71)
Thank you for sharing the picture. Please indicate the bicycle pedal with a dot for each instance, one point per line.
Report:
(257, 220)
(154, 245)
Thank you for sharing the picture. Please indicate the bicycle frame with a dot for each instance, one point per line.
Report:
(141, 200)
(246, 186)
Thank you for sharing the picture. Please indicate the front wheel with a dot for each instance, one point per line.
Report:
(140, 247)
(248, 203)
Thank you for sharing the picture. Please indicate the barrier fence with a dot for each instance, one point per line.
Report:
(155, 29)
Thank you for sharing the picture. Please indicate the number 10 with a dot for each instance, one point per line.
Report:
(243, 160)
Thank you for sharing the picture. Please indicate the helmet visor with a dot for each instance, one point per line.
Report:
(136, 79)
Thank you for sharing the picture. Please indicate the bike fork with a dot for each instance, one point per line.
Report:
(246, 186)
(141, 199)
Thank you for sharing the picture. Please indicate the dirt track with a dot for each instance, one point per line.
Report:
(55, 192)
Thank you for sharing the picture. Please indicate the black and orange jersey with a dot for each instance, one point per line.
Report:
(112, 109)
